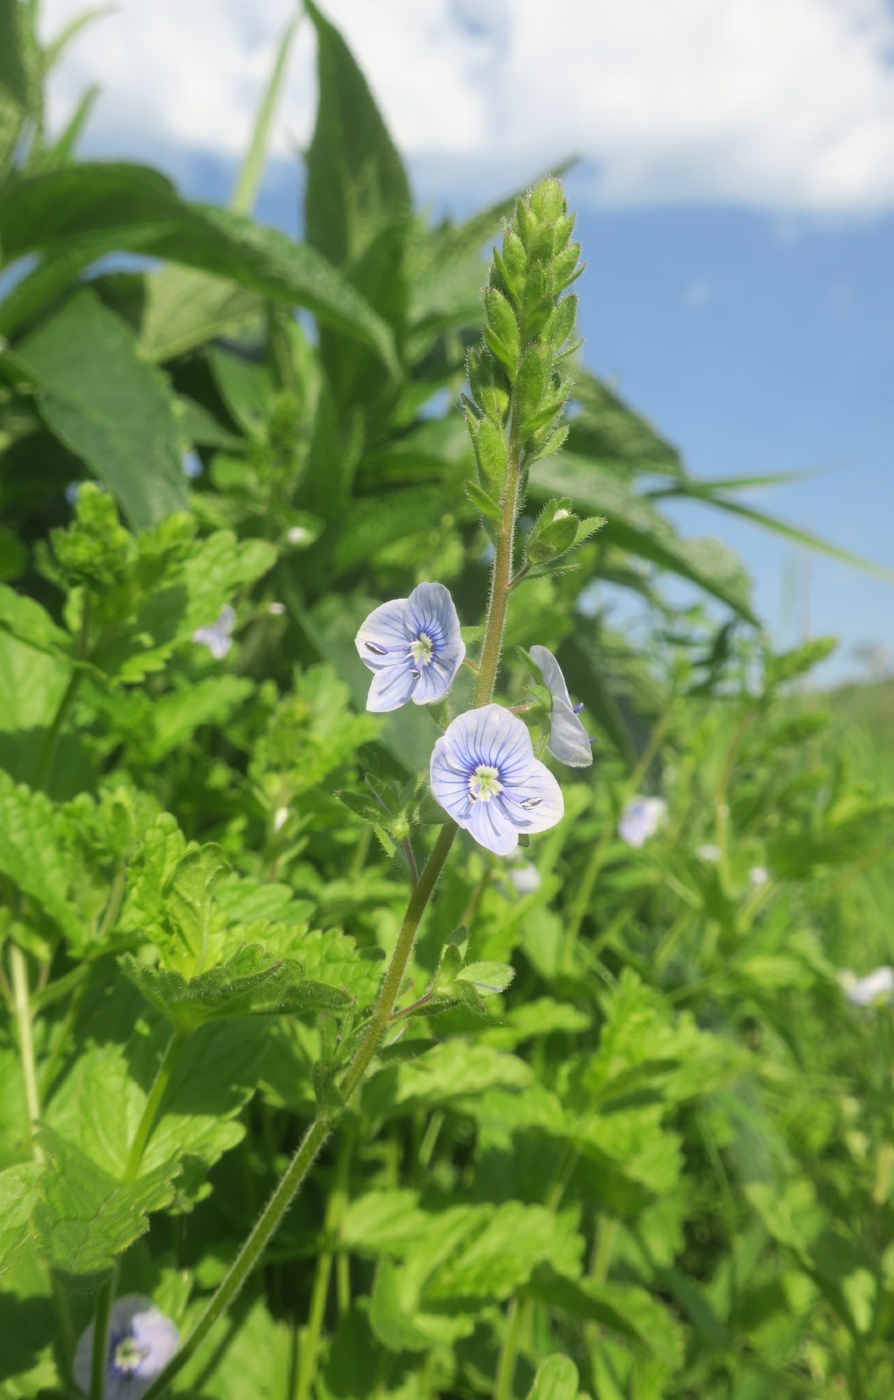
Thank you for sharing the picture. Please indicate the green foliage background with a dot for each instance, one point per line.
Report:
(664, 1156)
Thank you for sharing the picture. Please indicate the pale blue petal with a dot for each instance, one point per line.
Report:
(541, 791)
(384, 638)
(491, 828)
(437, 677)
(431, 609)
(153, 1333)
(568, 740)
(391, 687)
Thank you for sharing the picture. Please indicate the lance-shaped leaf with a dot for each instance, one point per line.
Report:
(556, 1379)
(84, 1218)
(250, 983)
(77, 214)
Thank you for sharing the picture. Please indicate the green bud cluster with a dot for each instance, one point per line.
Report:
(516, 376)
(95, 551)
(557, 530)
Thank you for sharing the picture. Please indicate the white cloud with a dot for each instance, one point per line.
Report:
(777, 102)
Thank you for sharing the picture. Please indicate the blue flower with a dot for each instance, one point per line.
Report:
(141, 1343)
(414, 648)
(217, 637)
(568, 741)
(484, 773)
(640, 819)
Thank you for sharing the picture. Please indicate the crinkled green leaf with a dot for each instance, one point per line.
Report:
(84, 1218)
(33, 852)
(18, 1194)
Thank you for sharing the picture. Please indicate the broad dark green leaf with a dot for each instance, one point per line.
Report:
(75, 215)
(108, 406)
(356, 182)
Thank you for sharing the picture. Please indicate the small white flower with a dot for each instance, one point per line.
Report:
(217, 638)
(525, 879)
(141, 1343)
(299, 534)
(280, 817)
(709, 853)
(865, 991)
(276, 609)
(640, 819)
(758, 875)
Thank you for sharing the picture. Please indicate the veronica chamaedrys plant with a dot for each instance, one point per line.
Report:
(483, 769)
(141, 1341)
(568, 741)
(484, 773)
(414, 648)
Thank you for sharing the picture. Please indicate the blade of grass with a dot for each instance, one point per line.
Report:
(248, 181)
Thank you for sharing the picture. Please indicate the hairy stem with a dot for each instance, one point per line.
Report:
(335, 1209)
(319, 1130)
(501, 584)
(99, 1360)
(150, 1112)
(22, 1002)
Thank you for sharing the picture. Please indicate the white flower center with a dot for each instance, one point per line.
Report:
(484, 783)
(127, 1355)
(422, 649)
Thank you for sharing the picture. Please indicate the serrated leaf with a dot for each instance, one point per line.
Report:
(84, 1218)
(33, 852)
(251, 983)
(25, 619)
(487, 977)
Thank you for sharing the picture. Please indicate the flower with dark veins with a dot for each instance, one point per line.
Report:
(484, 773)
(218, 636)
(414, 648)
(142, 1341)
(568, 741)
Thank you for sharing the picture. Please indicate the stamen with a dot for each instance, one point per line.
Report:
(376, 650)
(532, 802)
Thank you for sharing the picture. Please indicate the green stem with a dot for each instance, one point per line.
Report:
(508, 1351)
(319, 1130)
(99, 1362)
(22, 1002)
(49, 744)
(150, 1112)
(591, 874)
(335, 1210)
(501, 583)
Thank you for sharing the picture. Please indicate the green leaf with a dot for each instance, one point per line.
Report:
(84, 1219)
(250, 983)
(107, 406)
(185, 308)
(30, 623)
(623, 1308)
(248, 182)
(556, 1379)
(191, 597)
(488, 978)
(483, 502)
(17, 1198)
(33, 854)
(356, 182)
(77, 214)
(635, 525)
(13, 76)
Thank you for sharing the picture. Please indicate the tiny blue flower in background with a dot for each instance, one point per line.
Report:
(484, 773)
(568, 741)
(525, 878)
(217, 638)
(414, 647)
(141, 1343)
(640, 819)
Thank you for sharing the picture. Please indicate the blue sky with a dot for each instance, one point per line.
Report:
(736, 210)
